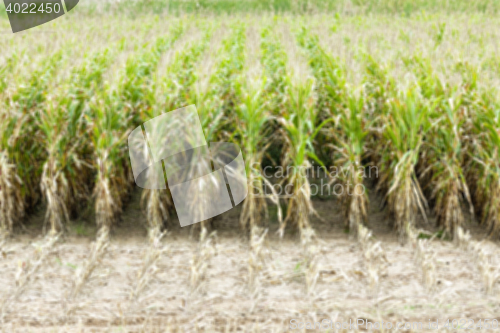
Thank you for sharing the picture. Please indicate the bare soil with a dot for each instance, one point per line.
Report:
(342, 292)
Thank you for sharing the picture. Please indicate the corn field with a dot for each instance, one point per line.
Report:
(380, 120)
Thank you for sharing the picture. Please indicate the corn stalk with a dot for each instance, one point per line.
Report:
(406, 125)
(66, 173)
(20, 152)
(299, 131)
(446, 159)
(486, 163)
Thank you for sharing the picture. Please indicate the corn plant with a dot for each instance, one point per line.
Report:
(273, 60)
(20, 152)
(299, 131)
(406, 125)
(446, 159)
(379, 85)
(216, 106)
(330, 86)
(487, 163)
(12, 205)
(178, 86)
(13, 191)
(158, 204)
(433, 90)
(329, 74)
(429, 83)
(350, 146)
(109, 130)
(176, 90)
(379, 89)
(67, 170)
(218, 103)
(480, 140)
(253, 126)
(225, 84)
(137, 86)
(350, 131)
(255, 123)
(137, 98)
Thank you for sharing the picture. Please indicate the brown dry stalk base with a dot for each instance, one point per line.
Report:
(200, 261)
(483, 256)
(11, 199)
(425, 258)
(149, 268)
(27, 272)
(83, 275)
(311, 250)
(374, 258)
(256, 262)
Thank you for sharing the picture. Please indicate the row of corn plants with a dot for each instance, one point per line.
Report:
(67, 170)
(24, 85)
(255, 124)
(176, 90)
(63, 165)
(345, 143)
(14, 192)
(485, 172)
(121, 108)
(116, 110)
(21, 151)
(30, 117)
(445, 133)
(216, 106)
(443, 159)
(293, 104)
(435, 144)
(299, 125)
(223, 96)
(430, 140)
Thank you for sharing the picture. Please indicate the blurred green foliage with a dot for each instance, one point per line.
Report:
(403, 7)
